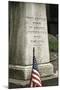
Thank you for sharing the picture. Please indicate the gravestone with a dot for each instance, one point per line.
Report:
(28, 29)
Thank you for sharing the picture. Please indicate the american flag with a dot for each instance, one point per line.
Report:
(35, 76)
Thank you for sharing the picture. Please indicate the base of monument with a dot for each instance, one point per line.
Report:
(24, 72)
(51, 80)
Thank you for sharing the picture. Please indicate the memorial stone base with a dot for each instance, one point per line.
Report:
(23, 73)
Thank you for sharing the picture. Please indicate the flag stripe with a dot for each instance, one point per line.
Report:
(35, 81)
(36, 77)
(36, 72)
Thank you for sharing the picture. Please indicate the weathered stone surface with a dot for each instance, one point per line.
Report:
(26, 82)
(24, 72)
(31, 32)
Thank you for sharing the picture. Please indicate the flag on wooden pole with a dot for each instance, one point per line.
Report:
(35, 76)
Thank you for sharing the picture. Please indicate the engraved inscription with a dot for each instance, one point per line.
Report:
(35, 28)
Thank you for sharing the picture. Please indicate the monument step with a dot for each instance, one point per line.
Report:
(24, 72)
(26, 82)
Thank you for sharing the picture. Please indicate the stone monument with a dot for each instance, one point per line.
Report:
(28, 29)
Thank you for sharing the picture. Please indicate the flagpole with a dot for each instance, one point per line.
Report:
(33, 61)
(32, 64)
(33, 51)
(33, 54)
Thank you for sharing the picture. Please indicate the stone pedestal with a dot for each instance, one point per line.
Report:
(24, 72)
(28, 29)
